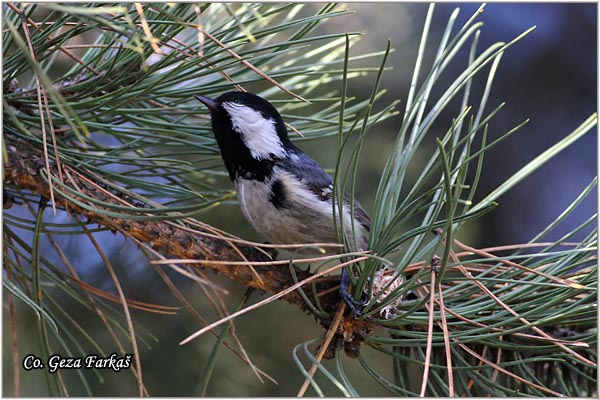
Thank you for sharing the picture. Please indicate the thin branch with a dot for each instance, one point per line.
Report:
(23, 171)
(13, 332)
(431, 307)
(252, 67)
(525, 321)
(146, 28)
(562, 281)
(274, 297)
(337, 320)
(41, 97)
(115, 279)
(508, 373)
(92, 301)
(186, 304)
(446, 332)
(61, 48)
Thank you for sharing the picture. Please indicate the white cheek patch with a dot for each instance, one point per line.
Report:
(258, 133)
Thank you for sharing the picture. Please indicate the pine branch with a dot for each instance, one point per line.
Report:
(116, 141)
(24, 170)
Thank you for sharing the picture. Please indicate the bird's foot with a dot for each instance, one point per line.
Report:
(354, 305)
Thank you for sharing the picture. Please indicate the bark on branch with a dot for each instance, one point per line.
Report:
(24, 168)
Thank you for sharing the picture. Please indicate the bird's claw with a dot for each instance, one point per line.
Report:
(354, 305)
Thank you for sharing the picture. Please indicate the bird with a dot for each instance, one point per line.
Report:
(283, 193)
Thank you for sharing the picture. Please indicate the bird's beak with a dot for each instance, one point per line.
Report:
(208, 102)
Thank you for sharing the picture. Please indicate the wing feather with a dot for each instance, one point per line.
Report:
(320, 182)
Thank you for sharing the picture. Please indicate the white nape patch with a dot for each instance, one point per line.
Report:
(258, 133)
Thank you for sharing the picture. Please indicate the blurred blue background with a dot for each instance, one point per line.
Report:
(549, 77)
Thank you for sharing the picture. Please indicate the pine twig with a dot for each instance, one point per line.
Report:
(24, 170)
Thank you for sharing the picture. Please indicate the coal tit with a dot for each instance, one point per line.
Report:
(284, 194)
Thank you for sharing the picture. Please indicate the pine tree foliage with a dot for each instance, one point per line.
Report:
(101, 133)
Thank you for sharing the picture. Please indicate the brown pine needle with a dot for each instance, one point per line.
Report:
(147, 31)
(41, 98)
(115, 279)
(525, 321)
(431, 307)
(519, 334)
(562, 281)
(274, 262)
(270, 299)
(13, 332)
(508, 373)
(337, 320)
(252, 67)
(199, 29)
(63, 49)
(444, 325)
(242, 355)
(98, 311)
(139, 305)
(196, 278)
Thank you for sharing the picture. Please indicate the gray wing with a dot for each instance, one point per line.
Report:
(321, 183)
(359, 213)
